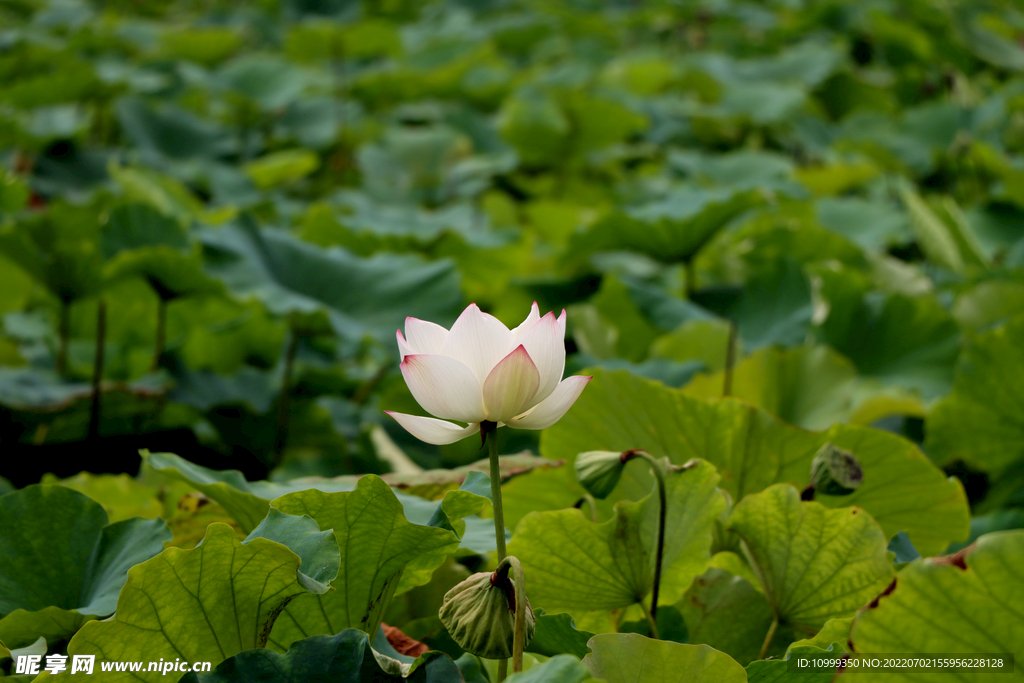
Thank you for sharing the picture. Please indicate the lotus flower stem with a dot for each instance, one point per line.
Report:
(660, 552)
(489, 429)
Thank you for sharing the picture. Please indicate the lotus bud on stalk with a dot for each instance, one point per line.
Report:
(479, 613)
(834, 472)
(599, 471)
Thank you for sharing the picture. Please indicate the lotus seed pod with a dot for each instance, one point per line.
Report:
(835, 472)
(599, 471)
(478, 616)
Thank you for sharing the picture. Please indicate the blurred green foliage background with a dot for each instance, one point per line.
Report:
(215, 215)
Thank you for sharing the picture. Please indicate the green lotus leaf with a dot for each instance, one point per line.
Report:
(381, 552)
(556, 634)
(575, 565)
(280, 168)
(228, 487)
(208, 603)
(317, 549)
(167, 195)
(967, 603)
(981, 421)
(170, 132)
(343, 658)
(61, 563)
(58, 249)
(267, 79)
(808, 386)
(248, 502)
(627, 657)
(670, 229)
(870, 224)
(813, 563)
(773, 308)
(834, 631)
(777, 670)
(558, 669)
(121, 495)
(728, 613)
(903, 341)
(751, 449)
(360, 296)
(706, 341)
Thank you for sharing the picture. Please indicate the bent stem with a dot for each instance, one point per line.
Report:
(519, 583)
(591, 503)
(660, 552)
(768, 637)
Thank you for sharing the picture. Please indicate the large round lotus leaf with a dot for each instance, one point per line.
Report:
(628, 657)
(61, 563)
(575, 565)
(813, 563)
(966, 603)
(982, 420)
(211, 602)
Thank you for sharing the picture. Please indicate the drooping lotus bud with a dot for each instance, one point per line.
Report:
(479, 615)
(599, 471)
(835, 471)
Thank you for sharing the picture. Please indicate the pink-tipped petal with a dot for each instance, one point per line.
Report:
(550, 410)
(530, 321)
(403, 346)
(544, 342)
(424, 336)
(437, 432)
(511, 386)
(444, 387)
(561, 323)
(478, 340)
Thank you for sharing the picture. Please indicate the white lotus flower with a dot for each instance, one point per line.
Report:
(482, 371)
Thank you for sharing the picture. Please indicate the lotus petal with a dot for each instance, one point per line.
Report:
(546, 345)
(429, 430)
(478, 340)
(550, 410)
(424, 336)
(511, 386)
(444, 387)
(531, 319)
